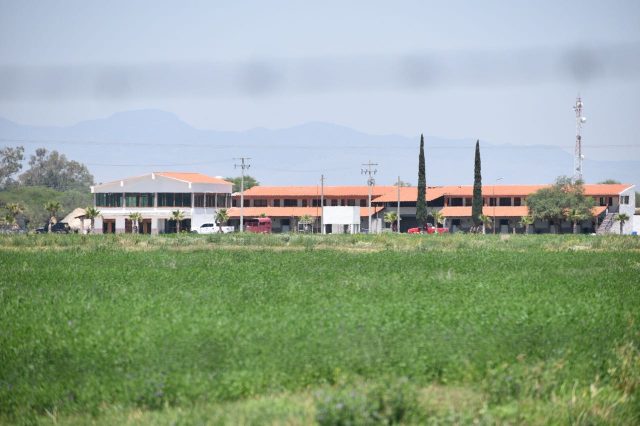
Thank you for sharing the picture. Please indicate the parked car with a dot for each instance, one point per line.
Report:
(428, 229)
(260, 225)
(212, 228)
(57, 228)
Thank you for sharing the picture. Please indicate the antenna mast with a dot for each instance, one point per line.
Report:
(578, 157)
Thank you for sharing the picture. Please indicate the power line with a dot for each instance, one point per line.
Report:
(314, 147)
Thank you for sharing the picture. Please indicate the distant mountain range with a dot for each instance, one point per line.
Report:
(137, 142)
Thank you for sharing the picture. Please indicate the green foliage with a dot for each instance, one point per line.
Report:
(421, 202)
(622, 218)
(32, 198)
(181, 329)
(558, 201)
(53, 170)
(10, 164)
(249, 182)
(476, 206)
(384, 403)
(609, 182)
(221, 217)
(390, 217)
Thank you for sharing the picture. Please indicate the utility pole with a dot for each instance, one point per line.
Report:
(578, 157)
(243, 166)
(495, 202)
(370, 182)
(322, 231)
(398, 213)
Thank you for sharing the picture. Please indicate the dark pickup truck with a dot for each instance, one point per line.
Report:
(57, 228)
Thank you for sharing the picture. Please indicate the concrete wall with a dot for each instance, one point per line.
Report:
(629, 209)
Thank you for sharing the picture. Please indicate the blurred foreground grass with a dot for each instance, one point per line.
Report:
(295, 329)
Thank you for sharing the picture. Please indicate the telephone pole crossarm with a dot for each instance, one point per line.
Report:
(370, 183)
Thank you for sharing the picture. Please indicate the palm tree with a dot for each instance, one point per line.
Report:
(526, 221)
(306, 220)
(390, 218)
(91, 213)
(438, 218)
(52, 207)
(622, 218)
(575, 216)
(177, 215)
(14, 210)
(486, 222)
(135, 219)
(9, 220)
(221, 217)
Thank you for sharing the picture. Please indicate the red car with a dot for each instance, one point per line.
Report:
(261, 225)
(428, 229)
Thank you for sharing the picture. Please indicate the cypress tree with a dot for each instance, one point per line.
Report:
(476, 209)
(421, 203)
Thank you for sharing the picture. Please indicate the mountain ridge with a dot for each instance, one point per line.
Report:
(135, 142)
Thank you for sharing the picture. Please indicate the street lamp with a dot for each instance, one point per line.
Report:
(495, 201)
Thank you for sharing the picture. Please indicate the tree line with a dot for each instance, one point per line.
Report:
(50, 179)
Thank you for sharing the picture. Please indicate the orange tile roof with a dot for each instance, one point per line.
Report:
(234, 212)
(408, 194)
(605, 189)
(313, 191)
(192, 177)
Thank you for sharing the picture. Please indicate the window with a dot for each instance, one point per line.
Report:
(517, 201)
(222, 200)
(276, 203)
(363, 202)
(198, 200)
(457, 202)
(290, 202)
(260, 203)
(315, 203)
(246, 203)
(334, 203)
(624, 199)
(351, 202)
(505, 201)
(109, 199)
(468, 201)
(178, 199)
(305, 203)
(492, 201)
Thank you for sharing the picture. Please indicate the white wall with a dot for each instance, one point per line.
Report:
(341, 215)
(629, 210)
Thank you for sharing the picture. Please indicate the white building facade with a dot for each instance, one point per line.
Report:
(155, 196)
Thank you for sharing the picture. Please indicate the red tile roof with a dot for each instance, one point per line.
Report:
(192, 177)
(234, 212)
(313, 191)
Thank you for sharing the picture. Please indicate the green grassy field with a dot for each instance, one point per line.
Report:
(252, 329)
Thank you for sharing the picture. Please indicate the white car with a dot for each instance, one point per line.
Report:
(212, 228)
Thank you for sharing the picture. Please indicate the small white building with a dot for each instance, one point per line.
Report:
(155, 196)
(341, 220)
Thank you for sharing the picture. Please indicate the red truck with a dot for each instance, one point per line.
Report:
(260, 225)
(428, 229)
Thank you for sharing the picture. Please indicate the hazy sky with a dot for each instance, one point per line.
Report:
(502, 71)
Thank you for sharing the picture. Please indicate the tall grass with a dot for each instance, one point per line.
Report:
(163, 323)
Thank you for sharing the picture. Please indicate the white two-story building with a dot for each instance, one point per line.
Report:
(155, 196)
